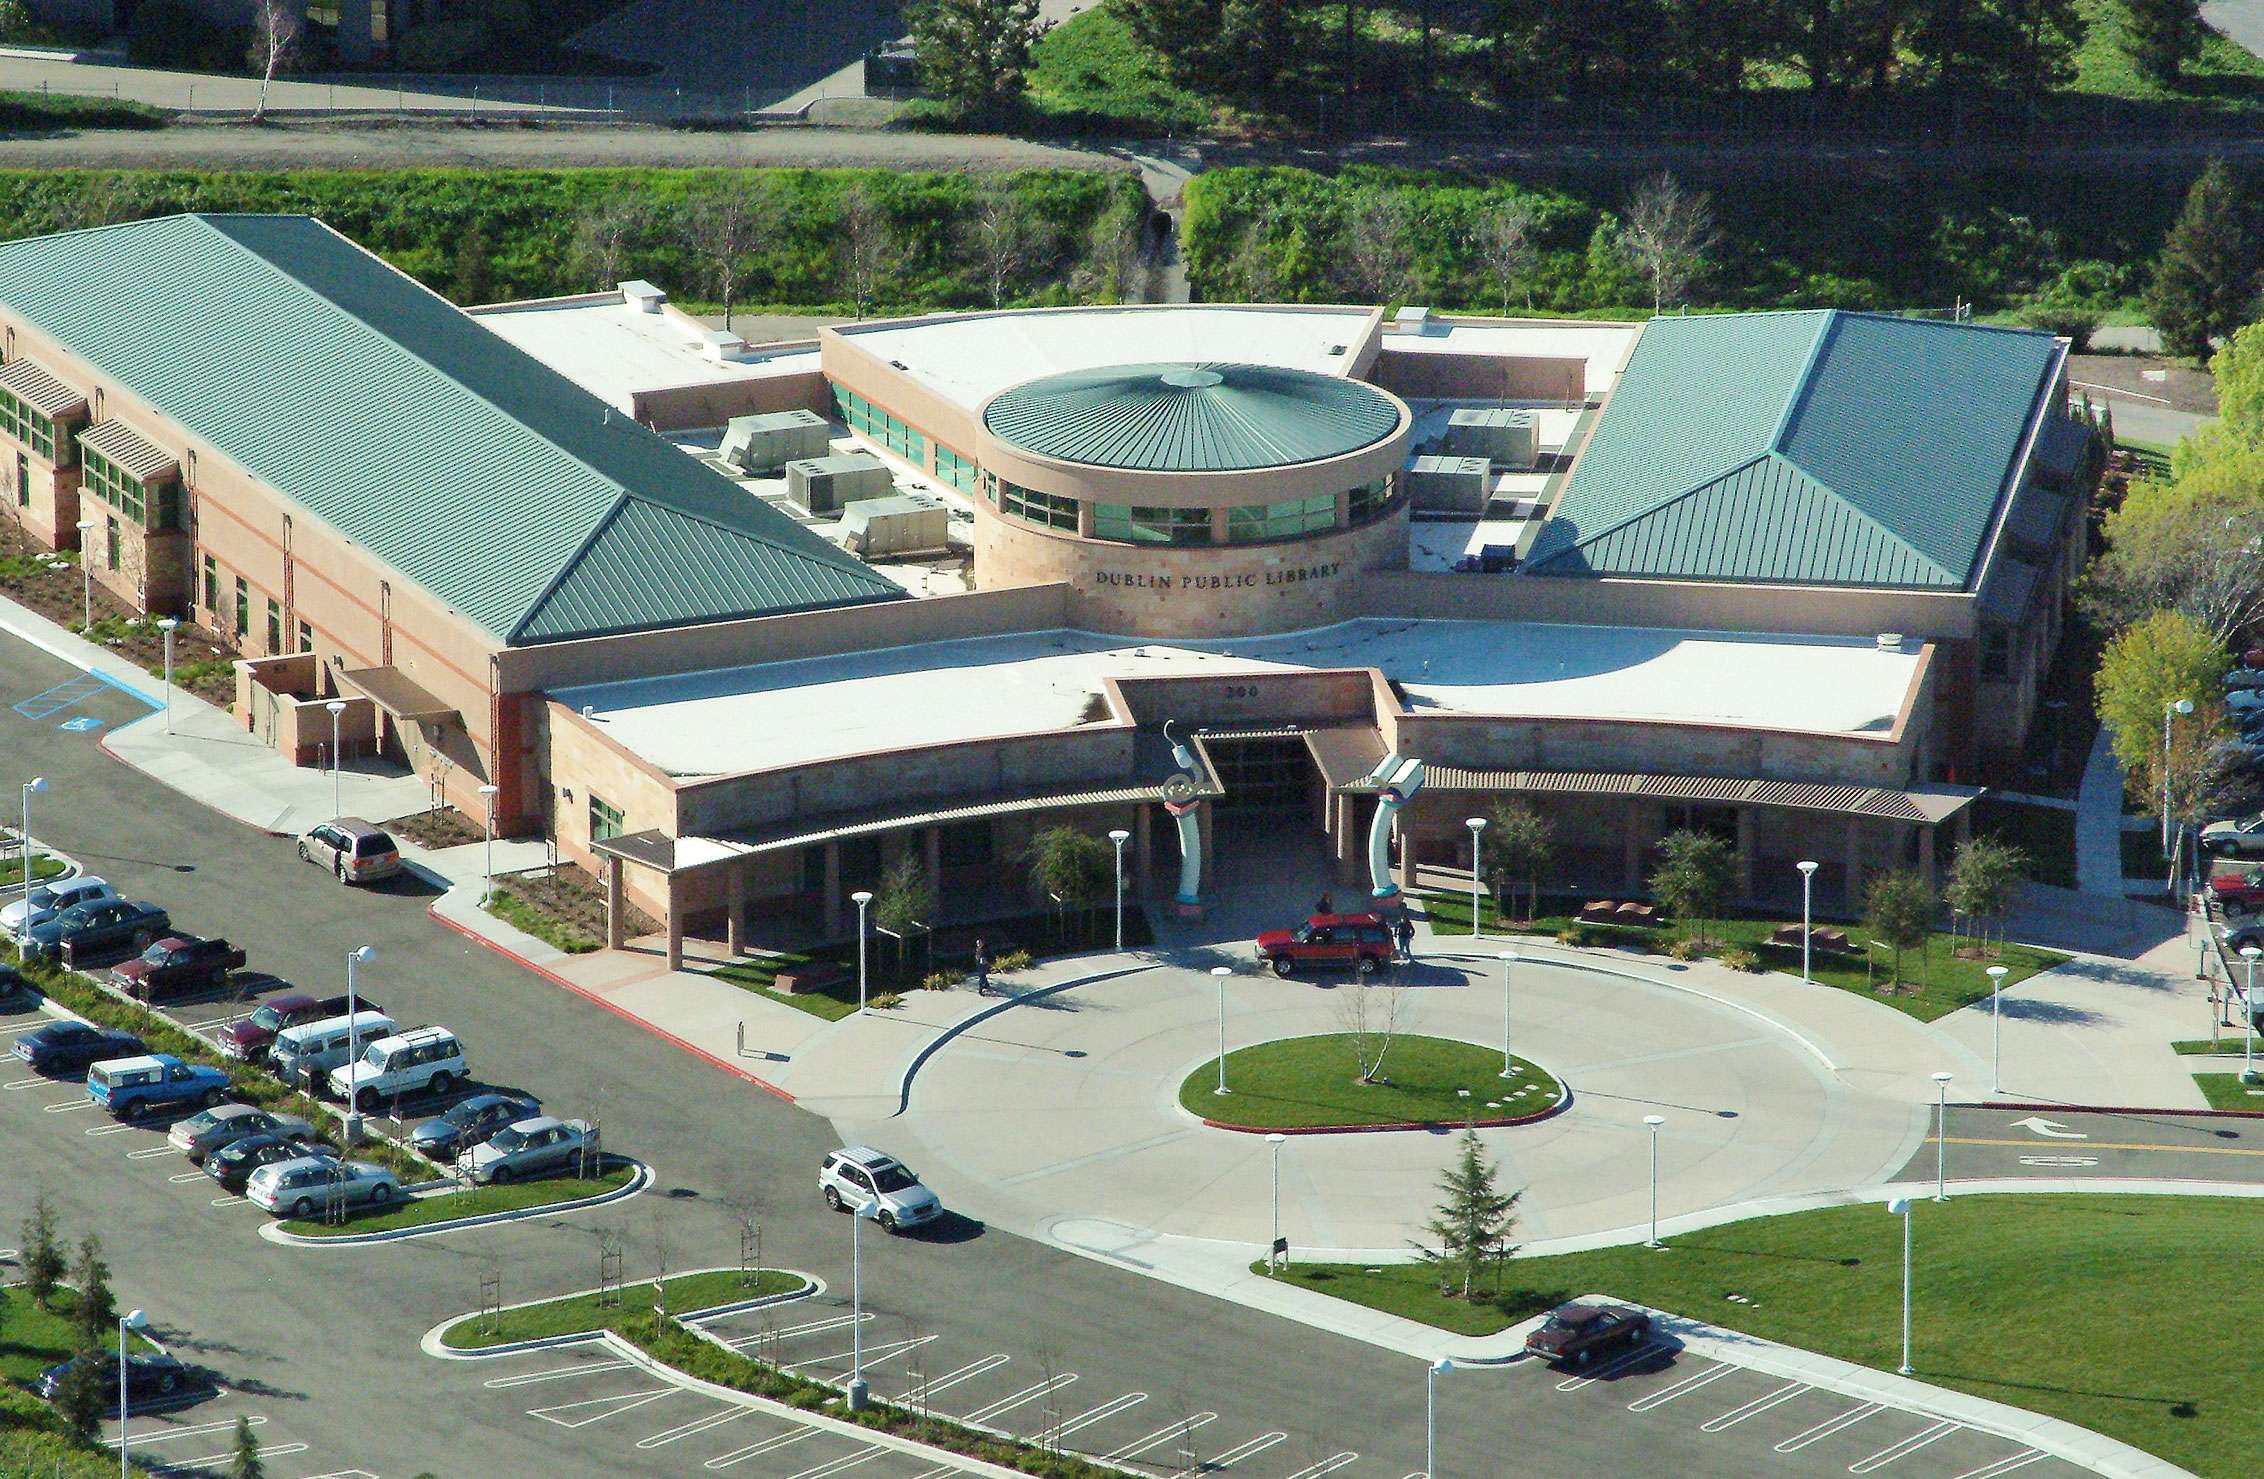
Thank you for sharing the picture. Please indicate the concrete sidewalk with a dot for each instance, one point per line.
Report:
(2098, 822)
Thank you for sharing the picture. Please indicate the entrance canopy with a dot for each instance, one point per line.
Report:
(398, 694)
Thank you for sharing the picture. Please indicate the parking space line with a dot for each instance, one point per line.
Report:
(553, 1373)
(1139, 1446)
(813, 1327)
(272, 1450)
(68, 1105)
(29, 1083)
(1681, 1388)
(835, 1466)
(1093, 1415)
(889, 1351)
(967, 1372)
(1829, 1426)
(162, 1435)
(1251, 1449)
(149, 1152)
(667, 1436)
(183, 1178)
(229, 1201)
(109, 1129)
(1758, 1405)
(938, 1472)
(1611, 1368)
(755, 1450)
(613, 1406)
(1909, 1445)
(2007, 1464)
(1329, 1465)
(1022, 1398)
(345, 1474)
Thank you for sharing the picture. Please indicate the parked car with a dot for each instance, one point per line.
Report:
(1361, 942)
(2242, 889)
(233, 1166)
(250, 1037)
(352, 849)
(857, 1174)
(2240, 678)
(303, 1056)
(303, 1187)
(177, 963)
(50, 899)
(147, 1377)
(532, 1147)
(2244, 701)
(15, 991)
(133, 1088)
(87, 930)
(1578, 1333)
(470, 1122)
(400, 1066)
(2240, 936)
(70, 1047)
(2236, 837)
(223, 1125)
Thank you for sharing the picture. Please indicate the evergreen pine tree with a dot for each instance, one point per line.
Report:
(2162, 36)
(97, 1315)
(42, 1254)
(246, 1464)
(1471, 1227)
(87, 1389)
(2205, 281)
(975, 54)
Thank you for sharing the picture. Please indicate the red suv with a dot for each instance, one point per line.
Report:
(1360, 941)
(2242, 890)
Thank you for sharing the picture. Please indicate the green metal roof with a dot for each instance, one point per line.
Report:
(1820, 447)
(1191, 417)
(505, 490)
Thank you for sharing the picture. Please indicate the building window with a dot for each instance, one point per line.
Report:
(1031, 506)
(1996, 652)
(306, 637)
(211, 585)
(110, 537)
(274, 626)
(1370, 500)
(875, 424)
(168, 505)
(1281, 520)
(243, 608)
(954, 469)
(1137, 525)
(23, 480)
(115, 486)
(605, 821)
(27, 426)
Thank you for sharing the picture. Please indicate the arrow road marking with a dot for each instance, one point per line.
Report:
(2059, 1160)
(2247, 1150)
(2049, 1129)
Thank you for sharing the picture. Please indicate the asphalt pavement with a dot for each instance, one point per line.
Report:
(2043, 1144)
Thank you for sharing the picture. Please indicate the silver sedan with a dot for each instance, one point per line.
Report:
(540, 1146)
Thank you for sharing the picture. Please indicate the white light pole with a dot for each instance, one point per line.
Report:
(1807, 869)
(166, 624)
(1438, 1368)
(1120, 837)
(2248, 1012)
(1219, 973)
(854, 1393)
(1654, 1121)
(1273, 1249)
(360, 955)
(1508, 959)
(487, 855)
(1996, 1030)
(1900, 1207)
(2180, 706)
(862, 898)
(1477, 826)
(31, 788)
(337, 707)
(1941, 1136)
(131, 1320)
(86, 576)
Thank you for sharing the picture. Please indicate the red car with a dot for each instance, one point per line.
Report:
(1578, 1333)
(249, 1037)
(2240, 890)
(177, 963)
(1361, 942)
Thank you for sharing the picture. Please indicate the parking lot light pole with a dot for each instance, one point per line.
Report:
(1654, 1121)
(1996, 1030)
(86, 577)
(1508, 959)
(131, 1320)
(861, 898)
(166, 624)
(1219, 973)
(1477, 826)
(31, 788)
(2248, 1012)
(853, 1395)
(1120, 837)
(1941, 1136)
(1807, 869)
(337, 707)
(2178, 706)
(359, 955)
(1900, 1207)
(1441, 1367)
(1273, 1249)
(487, 857)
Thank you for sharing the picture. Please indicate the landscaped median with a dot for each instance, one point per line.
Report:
(586, 1314)
(1307, 1085)
(2226, 1091)
(2079, 1307)
(441, 1207)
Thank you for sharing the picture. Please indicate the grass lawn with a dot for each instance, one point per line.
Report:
(579, 1313)
(833, 1003)
(2226, 1091)
(519, 914)
(42, 867)
(2027, 1300)
(36, 110)
(1934, 984)
(1088, 72)
(2226, 76)
(479, 1201)
(1305, 1081)
(34, 1339)
(2045, 833)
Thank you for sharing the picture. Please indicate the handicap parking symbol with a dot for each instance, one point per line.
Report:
(81, 724)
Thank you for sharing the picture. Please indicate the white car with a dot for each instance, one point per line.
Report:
(858, 1174)
(400, 1067)
(51, 899)
(530, 1148)
(304, 1187)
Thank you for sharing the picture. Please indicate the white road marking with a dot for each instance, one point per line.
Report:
(149, 1152)
(1093, 1415)
(2059, 1160)
(1327, 1465)
(1139, 1446)
(667, 1436)
(183, 1178)
(1610, 1368)
(528, 1378)
(2006, 1465)
(1681, 1388)
(1022, 1398)
(110, 1129)
(814, 1327)
(1829, 1426)
(162, 1435)
(939, 1472)
(1909, 1445)
(2036, 1124)
(345, 1474)
(1251, 1449)
(68, 1105)
(889, 1351)
(835, 1466)
(612, 1407)
(967, 1372)
(272, 1450)
(230, 1201)
(1758, 1405)
(208, 1026)
(756, 1450)
(29, 1083)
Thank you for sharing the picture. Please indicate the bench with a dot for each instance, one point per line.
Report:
(1602, 911)
(817, 976)
(1639, 914)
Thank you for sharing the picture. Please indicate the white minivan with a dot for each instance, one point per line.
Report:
(400, 1066)
(305, 1055)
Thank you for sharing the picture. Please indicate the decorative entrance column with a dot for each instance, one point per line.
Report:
(832, 904)
(675, 923)
(615, 934)
(734, 905)
(1745, 852)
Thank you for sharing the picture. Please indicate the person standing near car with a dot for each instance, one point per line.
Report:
(982, 968)
(1404, 931)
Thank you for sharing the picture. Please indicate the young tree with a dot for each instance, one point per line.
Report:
(606, 233)
(905, 901)
(1502, 242)
(1982, 878)
(1372, 1017)
(2189, 545)
(89, 1390)
(1696, 872)
(278, 40)
(1517, 846)
(246, 1464)
(974, 54)
(2205, 281)
(866, 246)
(1074, 867)
(41, 1256)
(471, 271)
(1899, 913)
(727, 224)
(2143, 673)
(1005, 238)
(97, 1314)
(1378, 261)
(2162, 36)
(1469, 1230)
(1666, 235)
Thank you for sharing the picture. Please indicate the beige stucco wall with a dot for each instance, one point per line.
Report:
(1817, 610)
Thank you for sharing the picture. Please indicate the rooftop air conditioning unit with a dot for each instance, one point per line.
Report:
(1501, 435)
(897, 527)
(642, 295)
(1447, 484)
(1412, 320)
(767, 443)
(1890, 641)
(722, 348)
(827, 484)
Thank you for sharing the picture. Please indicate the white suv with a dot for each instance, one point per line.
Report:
(51, 899)
(858, 1174)
(400, 1066)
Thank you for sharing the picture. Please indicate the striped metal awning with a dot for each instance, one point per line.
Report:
(1930, 804)
(28, 383)
(127, 450)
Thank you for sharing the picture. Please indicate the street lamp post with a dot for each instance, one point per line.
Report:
(1119, 837)
(1654, 1121)
(1477, 826)
(1508, 959)
(2179, 706)
(337, 708)
(1996, 1030)
(167, 624)
(1900, 1207)
(1273, 1249)
(86, 578)
(1807, 869)
(487, 855)
(862, 898)
(1941, 1136)
(2248, 1014)
(360, 955)
(1437, 1369)
(1219, 973)
(854, 1393)
(31, 788)
(131, 1320)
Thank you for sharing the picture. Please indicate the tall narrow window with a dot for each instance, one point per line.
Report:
(274, 626)
(306, 637)
(605, 820)
(243, 608)
(23, 481)
(211, 585)
(112, 551)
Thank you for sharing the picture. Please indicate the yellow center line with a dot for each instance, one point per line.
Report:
(2076, 1145)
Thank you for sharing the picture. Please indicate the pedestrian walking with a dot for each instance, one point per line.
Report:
(1405, 930)
(982, 968)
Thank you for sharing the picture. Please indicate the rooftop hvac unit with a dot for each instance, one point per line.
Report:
(767, 443)
(824, 484)
(1412, 320)
(722, 348)
(1447, 484)
(1502, 436)
(642, 296)
(896, 527)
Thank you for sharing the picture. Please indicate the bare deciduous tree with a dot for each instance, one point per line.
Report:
(604, 236)
(866, 245)
(1666, 236)
(1005, 238)
(1379, 255)
(1502, 241)
(725, 227)
(1372, 1018)
(278, 36)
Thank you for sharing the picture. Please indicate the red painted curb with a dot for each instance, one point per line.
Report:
(660, 1032)
(2236, 1114)
(1488, 1124)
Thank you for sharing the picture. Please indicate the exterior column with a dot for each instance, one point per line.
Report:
(833, 890)
(1347, 840)
(1926, 855)
(1745, 852)
(931, 858)
(1854, 885)
(614, 933)
(1631, 849)
(1209, 882)
(675, 924)
(1143, 849)
(734, 905)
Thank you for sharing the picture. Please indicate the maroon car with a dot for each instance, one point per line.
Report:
(177, 963)
(1359, 942)
(248, 1037)
(2242, 889)
(1578, 1333)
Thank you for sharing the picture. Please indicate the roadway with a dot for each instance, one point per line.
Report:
(2043, 1143)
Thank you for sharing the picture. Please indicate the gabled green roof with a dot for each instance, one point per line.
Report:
(508, 492)
(1191, 417)
(1821, 448)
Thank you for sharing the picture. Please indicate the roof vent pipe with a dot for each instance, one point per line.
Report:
(1890, 641)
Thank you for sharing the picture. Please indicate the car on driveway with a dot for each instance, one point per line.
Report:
(233, 1166)
(134, 1088)
(352, 850)
(88, 930)
(2242, 889)
(468, 1123)
(858, 1174)
(148, 1378)
(304, 1187)
(2235, 837)
(1358, 942)
(249, 1037)
(533, 1147)
(1578, 1333)
(50, 899)
(223, 1125)
(71, 1047)
(177, 963)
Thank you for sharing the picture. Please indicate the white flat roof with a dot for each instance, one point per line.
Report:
(1604, 346)
(972, 357)
(613, 351)
(770, 715)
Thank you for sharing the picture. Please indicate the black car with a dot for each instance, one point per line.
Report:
(147, 1377)
(232, 1165)
(1578, 1333)
(87, 930)
(469, 1123)
(69, 1047)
